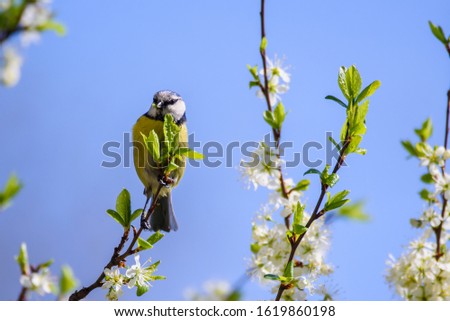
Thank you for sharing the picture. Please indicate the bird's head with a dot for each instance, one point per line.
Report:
(167, 102)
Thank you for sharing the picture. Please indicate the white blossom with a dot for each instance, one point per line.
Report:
(10, 71)
(213, 290)
(138, 275)
(114, 281)
(262, 169)
(278, 78)
(40, 282)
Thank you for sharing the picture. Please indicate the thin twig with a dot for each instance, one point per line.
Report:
(438, 229)
(265, 89)
(316, 214)
(23, 294)
(117, 258)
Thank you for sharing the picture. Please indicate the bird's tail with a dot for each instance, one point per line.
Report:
(163, 217)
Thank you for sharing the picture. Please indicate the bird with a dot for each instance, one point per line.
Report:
(164, 102)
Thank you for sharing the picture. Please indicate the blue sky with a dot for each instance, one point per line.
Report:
(88, 88)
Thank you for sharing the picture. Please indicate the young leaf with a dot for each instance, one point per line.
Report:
(298, 229)
(354, 211)
(123, 205)
(312, 171)
(155, 237)
(270, 119)
(353, 81)
(425, 131)
(152, 144)
(328, 179)
(254, 71)
(143, 244)
(189, 153)
(340, 102)
(135, 215)
(438, 32)
(289, 270)
(368, 91)
(279, 114)
(67, 281)
(263, 44)
(342, 82)
(302, 185)
(22, 259)
(298, 213)
(336, 201)
(116, 216)
(141, 289)
(427, 178)
(410, 148)
(255, 247)
(171, 135)
(52, 25)
(272, 277)
(12, 187)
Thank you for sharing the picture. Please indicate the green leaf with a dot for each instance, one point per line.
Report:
(272, 277)
(234, 296)
(22, 260)
(312, 171)
(189, 153)
(416, 223)
(12, 187)
(270, 119)
(340, 102)
(52, 25)
(427, 195)
(289, 270)
(171, 167)
(342, 82)
(263, 45)
(328, 179)
(153, 145)
(253, 83)
(254, 71)
(143, 244)
(302, 185)
(46, 264)
(354, 211)
(336, 201)
(336, 144)
(425, 131)
(410, 148)
(255, 247)
(438, 33)
(427, 178)
(155, 237)
(123, 205)
(298, 213)
(298, 229)
(116, 216)
(135, 215)
(171, 136)
(353, 81)
(279, 114)
(67, 281)
(141, 289)
(368, 91)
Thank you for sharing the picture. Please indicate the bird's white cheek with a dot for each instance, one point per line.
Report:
(177, 110)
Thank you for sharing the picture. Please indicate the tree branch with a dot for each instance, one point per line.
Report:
(116, 257)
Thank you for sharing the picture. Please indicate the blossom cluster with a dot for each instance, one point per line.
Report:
(270, 246)
(422, 272)
(212, 290)
(137, 275)
(35, 17)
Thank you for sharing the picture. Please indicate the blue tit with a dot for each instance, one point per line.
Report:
(164, 102)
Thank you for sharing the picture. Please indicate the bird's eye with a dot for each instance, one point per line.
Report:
(172, 101)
